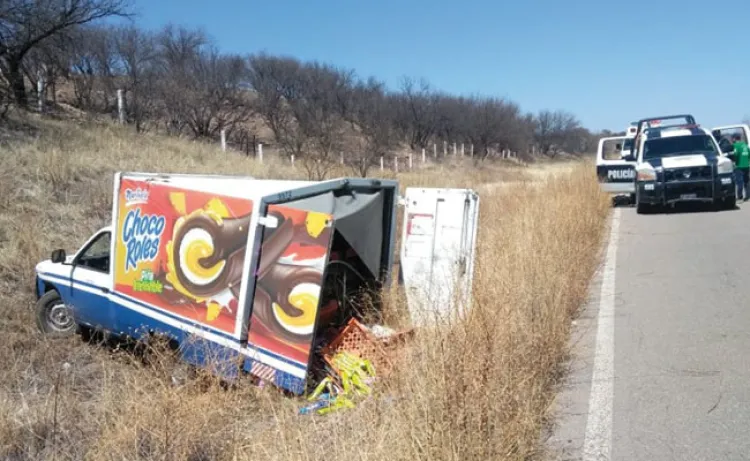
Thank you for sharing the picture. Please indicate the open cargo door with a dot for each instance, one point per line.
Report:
(320, 247)
(437, 252)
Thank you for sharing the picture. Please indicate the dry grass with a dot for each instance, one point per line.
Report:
(478, 389)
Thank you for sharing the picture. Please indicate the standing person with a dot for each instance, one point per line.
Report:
(742, 165)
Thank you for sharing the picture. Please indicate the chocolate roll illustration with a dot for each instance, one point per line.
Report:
(295, 295)
(209, 256)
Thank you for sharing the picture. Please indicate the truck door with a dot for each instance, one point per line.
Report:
(437, 251)
(723, 136)
(616, 174)
(91, 283)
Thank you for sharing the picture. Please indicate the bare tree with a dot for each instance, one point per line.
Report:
(179, 47)
(137, 55)
(25, 24)
(556, 131)
(317, 110)
(371, 117)
(93, 66)
(415, 118)
(276, 83)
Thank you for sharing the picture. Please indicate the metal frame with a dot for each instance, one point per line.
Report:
(689, 118)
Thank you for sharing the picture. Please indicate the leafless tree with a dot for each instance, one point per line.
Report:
(371, 118)
(25, 24)
(317, 110)
(415, 117)
(93, 65)
(179, 48)
(276, 83)
(556, 131)
(137, 56)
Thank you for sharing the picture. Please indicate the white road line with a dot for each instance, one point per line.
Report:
(598, 440)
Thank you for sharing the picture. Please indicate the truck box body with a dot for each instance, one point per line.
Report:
(231, 267)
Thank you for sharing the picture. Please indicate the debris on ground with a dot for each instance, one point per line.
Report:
(355, 358)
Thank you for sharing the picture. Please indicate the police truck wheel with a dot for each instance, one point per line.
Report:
(53, 317)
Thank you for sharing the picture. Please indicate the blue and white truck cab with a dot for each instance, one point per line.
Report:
(81, 279)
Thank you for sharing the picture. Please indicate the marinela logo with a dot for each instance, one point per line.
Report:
(136, 197)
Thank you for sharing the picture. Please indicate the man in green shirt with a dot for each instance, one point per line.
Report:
(742, 167)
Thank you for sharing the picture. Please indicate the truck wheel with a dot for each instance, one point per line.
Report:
(53, 317)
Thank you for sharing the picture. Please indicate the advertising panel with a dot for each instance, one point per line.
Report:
(182, 251)
(289, 280)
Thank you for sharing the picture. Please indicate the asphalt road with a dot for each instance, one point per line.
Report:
(662, 365)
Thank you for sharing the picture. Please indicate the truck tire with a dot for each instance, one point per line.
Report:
(728, 203)
(53, 317)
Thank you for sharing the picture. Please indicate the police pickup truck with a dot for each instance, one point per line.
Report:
(679, 162)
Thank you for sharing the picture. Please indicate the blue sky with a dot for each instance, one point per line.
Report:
(608, 62)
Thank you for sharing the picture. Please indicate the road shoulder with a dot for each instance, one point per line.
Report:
(569, 416)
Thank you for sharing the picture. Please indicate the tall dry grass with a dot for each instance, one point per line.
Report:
(477, 389)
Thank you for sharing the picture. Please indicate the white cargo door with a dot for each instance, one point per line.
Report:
(437, 252)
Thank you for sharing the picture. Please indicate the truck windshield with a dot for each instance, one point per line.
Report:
(678, 145)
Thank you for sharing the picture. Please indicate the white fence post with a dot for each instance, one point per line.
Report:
(260, 152)
(462, 149)
(292, 160)
(224, 140)
(382, 167)
(410, 161)
(40, 91)
(434, 149)
(454, 149)
(120, 107)
(424, 158)
(341, 160)
(395, 163)
(472, 150)
(445, 148)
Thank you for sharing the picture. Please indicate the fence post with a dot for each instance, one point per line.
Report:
(382, 167)
(472, 150)
(224, 140)
(120, 107)
(454, 149)
(434, 149)
(292, 160)
(395, 163)
(40, 91)
(341, 160)
(424, 158)
(260, 152)
(410, 161)
(445, 148)
(462, 149)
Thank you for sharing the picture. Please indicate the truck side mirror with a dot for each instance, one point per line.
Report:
(58, 256)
